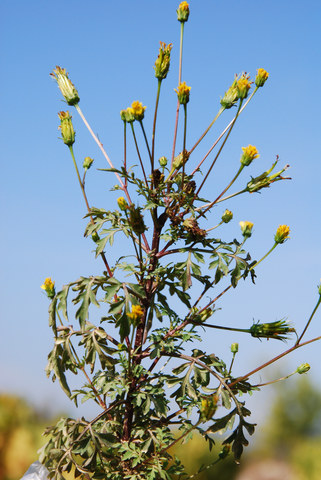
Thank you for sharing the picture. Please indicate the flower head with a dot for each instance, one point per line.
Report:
(138, 110)
(183, 12)
(183, 93)
(278, 330)
(136, 314)
(208, 407)
(123, 205)
(88, 162)
(246, 228)
(231, 96)
(304, 368)
(66, 128)
(243, 86)
(264, 180)
(65, 85)
(163, 60)
(163, 161)
(49, 287)
(227, 216)
(282, 234)
(234, 348)
(136, 220)
(249, 154)
(261, 77)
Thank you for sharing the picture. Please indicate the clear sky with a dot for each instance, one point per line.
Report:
(109, 49)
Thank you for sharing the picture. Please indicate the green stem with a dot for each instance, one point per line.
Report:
(221, 110)
(179, 81)
(223, 133)
(145, 137)
(213, 228)
(138, 153)
(309, 321)
(268, 253)
(154, 123)
(184, 144)
(125, 150)
(221, 147)
(274, 381)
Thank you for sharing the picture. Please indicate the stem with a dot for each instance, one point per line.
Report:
(138, 153)
(221, 147)
(184, 144)
(309, 321)
(146, 141)
(274, 381)
(268, 253)
(221, 110)
(125, 150)
(154, 123)
(179, 81)
(110, 273)
(223, 133)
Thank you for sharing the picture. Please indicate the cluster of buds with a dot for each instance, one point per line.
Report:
(65, 85)
(135, 112)
(227, 216)
(163, 60)
(246, 228)
(243, 86)
(66, 128)
(183, 12)
(49, 287)
(87, 163)
(136, 314)
(278, 330)
(136, 220)
(282, 234)
(231, 96)
(183, 93)
(265, 179)
(249, 154)
(208, 407)
(261, 77)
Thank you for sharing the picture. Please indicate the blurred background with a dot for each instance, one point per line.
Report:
(109, 49)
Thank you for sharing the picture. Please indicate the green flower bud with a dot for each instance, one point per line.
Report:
(208, 407)
(66, 128)
(304, 368)
(231, 96)
(183, 93)
(205, 314)
(95, 237)
(87, 162)
(234, 348)
(49, 287)
(136, 220)
(163, 61)
(261, 77)
(246, 228)
(180, 160)
(249, 154)
(163, 161)
(243, 86)
(282, 234)
(123, 205)
(66, 87)
(123, 115)
(227, 216)
(278, 330)
(183, 12)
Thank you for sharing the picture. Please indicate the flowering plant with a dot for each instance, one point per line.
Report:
(144, 344)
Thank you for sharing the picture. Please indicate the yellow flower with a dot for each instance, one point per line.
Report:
(138, 110)
(136, 313)
(49, 287)
(243, 86)
(183, 93)
(183, 12)
(65, 85)
(261, 77)
(246, 228)
(282, 234)
(66, 128)
(249, 154)
(122, 203)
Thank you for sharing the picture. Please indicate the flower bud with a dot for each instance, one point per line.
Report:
(319, 289)
(205, 314)
(123, 115)
(234, 348)
(183, 12)
(224, 452)
(66, 87)
(282, 234)
(66, 128)
(136, 220)
(163, 60)
(123, 205)
(87, 162)
(138, 110)
(180, 160)
(95, 237)
(162, 161)
(249, 154)
(304, 368)
(264, 180)
(231, 96)
(183, 93)
(129, 115)
(261, 77)
(49, 287)
(136, 314)
(227, 216)
(246, 228)
(243, 86)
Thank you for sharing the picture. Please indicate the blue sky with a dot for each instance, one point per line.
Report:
(109, 49)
